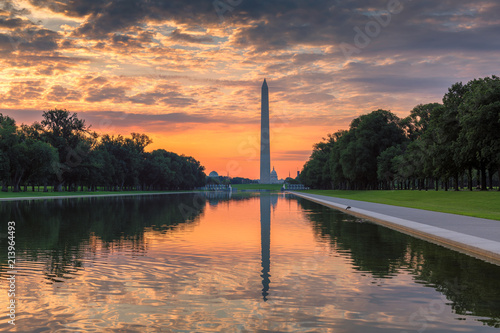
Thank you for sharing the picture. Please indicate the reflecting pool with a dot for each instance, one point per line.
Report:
(246, 263)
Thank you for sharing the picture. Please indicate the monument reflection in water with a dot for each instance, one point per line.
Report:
(265, 241)
(203, 264)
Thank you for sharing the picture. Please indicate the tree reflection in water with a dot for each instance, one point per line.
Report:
(470, 284)
(64, 231)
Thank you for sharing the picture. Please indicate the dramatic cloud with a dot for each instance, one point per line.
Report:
(26, 90)
(60, 93)
(177, 35)
(199, 64)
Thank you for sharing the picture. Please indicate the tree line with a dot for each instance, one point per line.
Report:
(61, 152)
(447, 145)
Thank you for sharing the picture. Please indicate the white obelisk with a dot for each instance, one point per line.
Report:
(265, 151)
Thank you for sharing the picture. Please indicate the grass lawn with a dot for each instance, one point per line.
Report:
(271, 187)
(68, 194)
(476, 203)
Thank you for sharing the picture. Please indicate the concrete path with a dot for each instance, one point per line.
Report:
(471, 235)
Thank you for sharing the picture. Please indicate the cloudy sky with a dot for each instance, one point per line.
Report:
(188, 73)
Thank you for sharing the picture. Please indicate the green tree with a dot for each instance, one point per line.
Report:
(439, 142)
(451, 159)
(156, 173)
(62, 149)
(342, 139)
(316, 172)
(372, 134)
(8, 141)
(387, 166)
(42, 158)
(113, 153)
(133, 156)
(479, 117)
(66, 133)
(418, 121)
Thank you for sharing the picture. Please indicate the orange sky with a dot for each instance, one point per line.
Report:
(189, 75)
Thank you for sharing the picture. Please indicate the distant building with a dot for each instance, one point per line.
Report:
(274, 177)
(213, 174)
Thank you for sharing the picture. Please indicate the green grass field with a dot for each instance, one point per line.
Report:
(271, 187)
(476, 203)
(68, 194)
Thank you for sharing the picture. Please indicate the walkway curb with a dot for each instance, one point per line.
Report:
(484, 249)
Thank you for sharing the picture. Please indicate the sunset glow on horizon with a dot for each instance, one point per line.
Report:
(188, 74)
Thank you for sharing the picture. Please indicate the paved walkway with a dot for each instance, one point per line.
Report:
(471, 235)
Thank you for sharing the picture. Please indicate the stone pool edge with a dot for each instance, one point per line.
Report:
(477, 247)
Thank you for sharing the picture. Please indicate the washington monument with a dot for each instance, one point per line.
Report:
(265, 151)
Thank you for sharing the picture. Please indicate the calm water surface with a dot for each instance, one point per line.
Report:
(270, 263)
